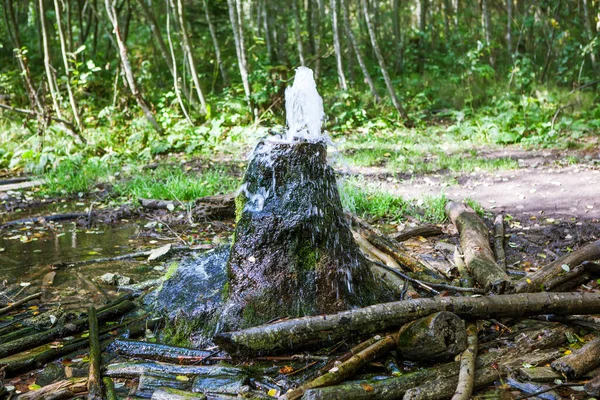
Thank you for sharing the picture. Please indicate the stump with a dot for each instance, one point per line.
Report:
(293, 253)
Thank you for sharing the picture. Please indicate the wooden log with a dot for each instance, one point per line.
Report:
(499, 241)
(156, 204)
(136, 369)
(475, 245)
(94, 374)
(580, 361)
(592, 388)
(306, 331)
(46, 218)
(176, 394)
(149, 383)
(466, 377)
(424, 231)
(159, 352)
(438, 336)
(16, 304)
(353, 351)
(38, 339)
(537, 281)
(109, 388)
(346, 369)
(66, 389)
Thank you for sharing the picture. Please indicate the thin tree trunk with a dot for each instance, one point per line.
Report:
(266, 25)
(318, 37)
(422, 9)
(175, 78)
(455, 9)
(356, 48)
(47, 66)
(487, 27)
(112, 16)
(153, 24)
(384, 71)
(239, 49)
(336, 45)
(297, 32)
(589, 30)
(178, 10)
(213, 35)
(509, 12)
(63, 47)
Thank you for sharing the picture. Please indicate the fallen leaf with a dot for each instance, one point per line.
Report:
(286, 369)
(159, 252)
(367, 388)
(182, 378)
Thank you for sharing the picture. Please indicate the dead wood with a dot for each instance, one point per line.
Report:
(159, 352)
(580, 361)
(499, 241)
(466, 377)
(155, 204)
(16, 304)
(46, 218)
(66, 389)
(537, 281)
(475, 245)
(592, 388)
(348, 368)
(439, 335)
(353, 351)
(176, 394)
(94, 375)
(424, 231)
(109, 388)
(218, 206)
(306, 331)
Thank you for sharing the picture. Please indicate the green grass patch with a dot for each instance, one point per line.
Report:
(72, 177)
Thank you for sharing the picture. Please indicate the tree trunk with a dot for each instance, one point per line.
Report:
(178, 10)
(589, 30)
(384, 71)
(356, 49)
(319, 36)
(487, 27)
(239, 49)
(112, 17)
(63, 47)
(174, 71)
(47, 63)
(337, 46)
(509, 17)
(297, 33)
(213, 35)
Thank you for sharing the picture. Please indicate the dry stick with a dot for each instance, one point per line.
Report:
(94, 374)
(424, 231)
(475, 245)
(298, 332)
(580, 361)
(18, 303)
(347, 368)
(499, 241)
(66, 389)
(353, 351)
(536, 281)
(466, 377)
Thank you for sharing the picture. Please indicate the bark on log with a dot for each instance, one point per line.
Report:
(159, 352)
(440, 335)
(424, 231)
(536, 281)
(346, 369)
(295, 333)
(475, 245)
(16, 304)
(176, 394)
(136, 369)
(109, 388)
(94, 375)
(466, 377)
(499, 241)
(592, 388)
(66, 389)
(580, 361)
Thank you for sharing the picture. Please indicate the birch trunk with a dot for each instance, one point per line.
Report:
(380, 60)
(47, 64)
(336, 45)
(112, 16)
(174, 72)
(213, 35)
(509, 13)
(63, 48)
(178, 10)
(239, 48)
(356, 48)
(589, 30)
(297, 32)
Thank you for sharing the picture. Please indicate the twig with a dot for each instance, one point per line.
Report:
(466, 377)
(18, 303)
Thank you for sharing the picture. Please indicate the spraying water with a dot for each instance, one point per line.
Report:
(303, 108)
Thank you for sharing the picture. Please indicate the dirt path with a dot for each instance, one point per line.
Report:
(546, 183)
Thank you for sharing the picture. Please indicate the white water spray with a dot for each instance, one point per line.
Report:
(303, 108)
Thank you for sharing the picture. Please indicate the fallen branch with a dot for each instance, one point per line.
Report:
(346, 369)
(536, 282)
(16, 304)
(94, 387)
(499, 241)
(159, 352)
(466, 377)
(424, 231)
(176, 394)
(580, 361)
(474, 242)
(54, 218)
(66, 389)
(298, 332)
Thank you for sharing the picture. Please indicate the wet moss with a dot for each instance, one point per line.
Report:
(171, 270)
(225, 291)
(240, 203)
(307, 257)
